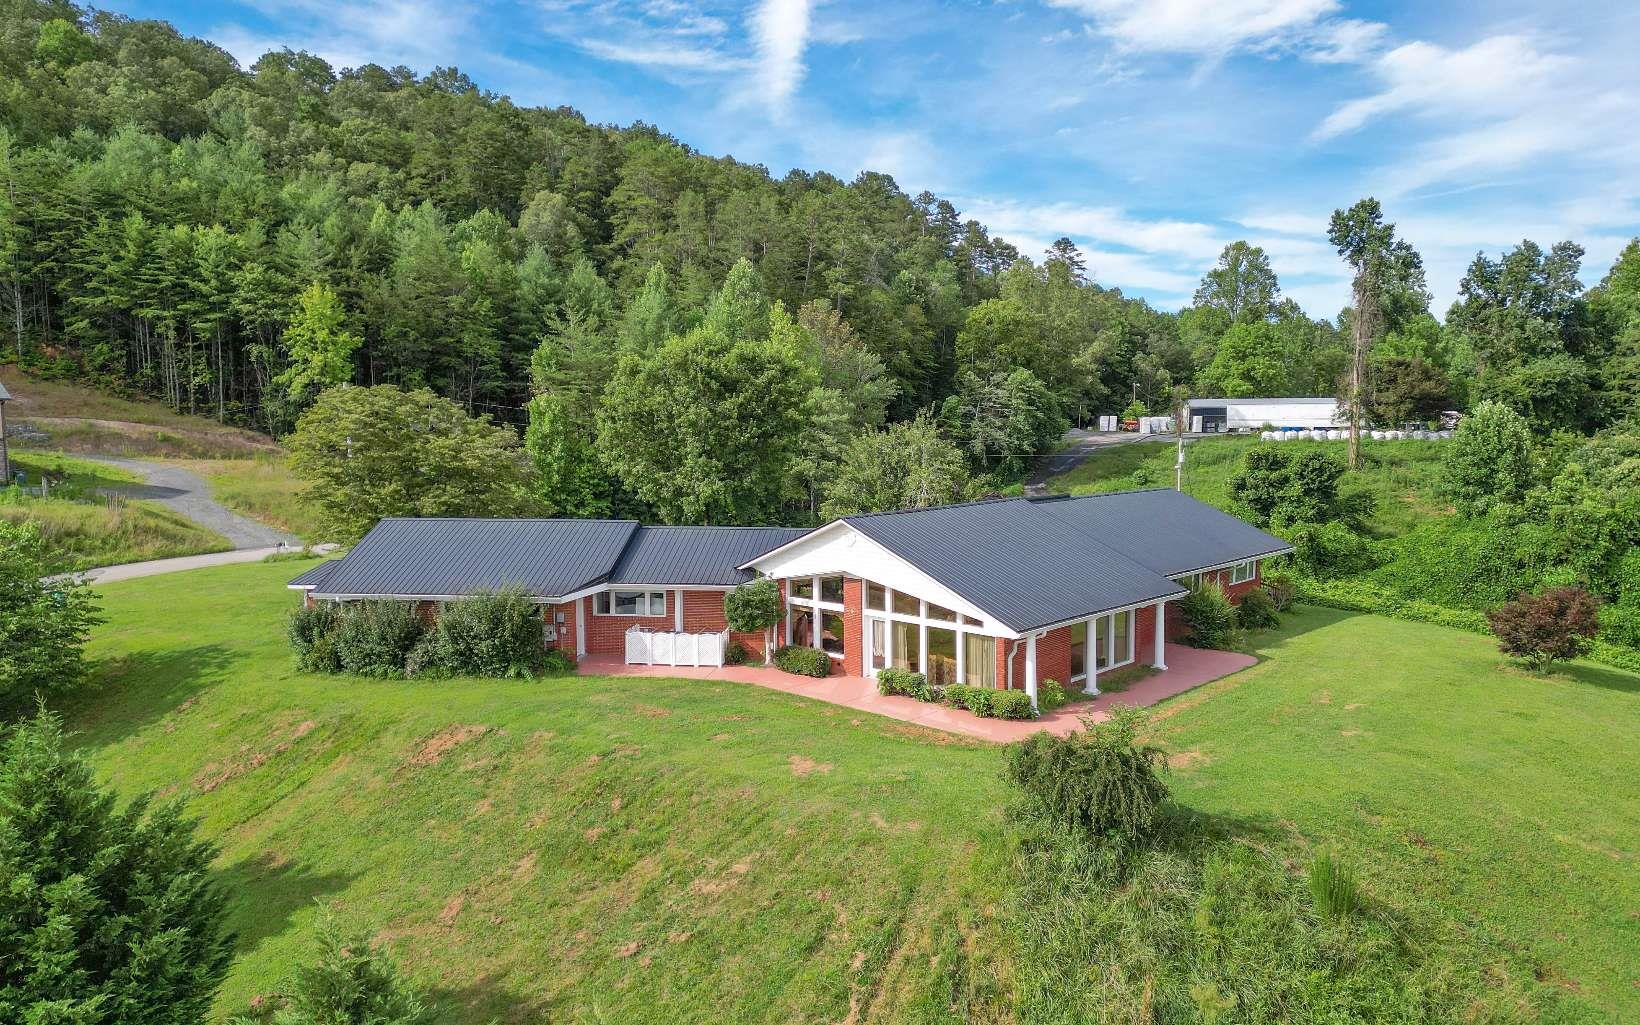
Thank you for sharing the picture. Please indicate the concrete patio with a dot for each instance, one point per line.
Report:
(1187, 668)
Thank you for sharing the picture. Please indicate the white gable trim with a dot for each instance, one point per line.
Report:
(840, 548)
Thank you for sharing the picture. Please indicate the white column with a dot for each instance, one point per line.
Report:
(922, 647)
(1030, 668)
(1160, 662)
(1092, 659)
(962, 653)
(677, 610)
(580, 628)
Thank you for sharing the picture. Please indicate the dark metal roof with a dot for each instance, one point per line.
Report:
(315, 575)
(1018, 563)
(1163, 530)
(449, 557)
(702, 556)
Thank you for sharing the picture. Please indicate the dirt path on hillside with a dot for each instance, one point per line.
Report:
(187, 494)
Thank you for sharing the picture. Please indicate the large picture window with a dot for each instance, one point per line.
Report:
(1079, 650)
(629, 603)
(831, 633)
(907, 646)
(1242, 572)
(942, 656)
(979, 660)
(1122, 638)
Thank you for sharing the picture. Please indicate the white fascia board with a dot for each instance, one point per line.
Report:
(327, 596)
(839, 548)
(1288, 550)
(1132, 607)
(757, 563)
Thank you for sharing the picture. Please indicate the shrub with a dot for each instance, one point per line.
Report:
(43, 627)
(735, 654)
(375, 638)
(1210, 617)
(1280, 487)
(1282, 587)
(1538, 629)
(355, 981)
(803, 661)
(1326, 550)
(1257, 610)
(902, 683)
(309, 629)
(110, 914)
(978, 700)
(494, 635)
(1332, 885)
(1488, 460)
(1100, 780)
(557, 662)
(1012, 704)
(1050, 694)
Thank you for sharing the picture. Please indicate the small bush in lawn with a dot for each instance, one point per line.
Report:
(494, 635)
(1099, 780)
(735, 654)
(375, 638)
(1050, 694)
(309, 629)
(1257, 610)
(1282, 588)
(556, 663)
(1210, 616)
(354, 981)
(901, 683)
(1332, 885)
(803, 661)
(1012, 704)
(1539, 628)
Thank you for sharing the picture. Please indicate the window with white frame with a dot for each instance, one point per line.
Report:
(629, 603)
(1242, 572)
(907, 632)
(1190, 580)
(814, 613)
(1111, 637)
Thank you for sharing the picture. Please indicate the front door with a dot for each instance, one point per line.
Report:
(876, 645)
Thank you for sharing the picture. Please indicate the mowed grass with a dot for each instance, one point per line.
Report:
(263, 488)
(1399, 476)
(641, 850)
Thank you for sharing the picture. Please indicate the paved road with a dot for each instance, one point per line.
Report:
(186, 493)
(1079, 444)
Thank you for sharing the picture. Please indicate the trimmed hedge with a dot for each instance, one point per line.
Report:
(1012, 704)
(801, 661)
(902, 683)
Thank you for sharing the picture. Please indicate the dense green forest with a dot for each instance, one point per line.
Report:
(235, 241)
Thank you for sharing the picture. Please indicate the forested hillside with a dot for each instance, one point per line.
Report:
(234, 241)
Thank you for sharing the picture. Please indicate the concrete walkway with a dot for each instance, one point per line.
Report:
(187, 494)
(1188, 668)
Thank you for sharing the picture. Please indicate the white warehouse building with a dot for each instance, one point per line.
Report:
(1215, 416)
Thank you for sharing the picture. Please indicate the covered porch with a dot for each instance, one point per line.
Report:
(1187, 668)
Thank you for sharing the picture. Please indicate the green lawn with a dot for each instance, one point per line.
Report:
(640, 850)
(263, 488)
(1399, 475)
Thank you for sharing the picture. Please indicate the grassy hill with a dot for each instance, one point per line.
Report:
(1399, 476)
(641, 850)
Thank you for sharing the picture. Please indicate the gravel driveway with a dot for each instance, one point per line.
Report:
(187, 493)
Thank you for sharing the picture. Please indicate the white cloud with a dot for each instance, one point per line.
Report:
(1215, 28)
(780, 29)
(1497, 74)
(418, 33)
(659, 54)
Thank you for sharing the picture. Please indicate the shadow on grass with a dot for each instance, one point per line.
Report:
(267, 892)
(485, 1000)
(129, 692)
(1601, 676)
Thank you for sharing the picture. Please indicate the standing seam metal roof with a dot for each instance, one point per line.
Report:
(1163, 530)
(702, 556)
(449, 557)
(1023, 566)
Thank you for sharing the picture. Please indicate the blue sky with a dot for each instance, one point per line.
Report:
(1151, 133)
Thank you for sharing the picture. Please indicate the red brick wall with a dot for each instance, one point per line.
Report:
(606, 635)
(566, 629)
(1144, 635)
(854, 635)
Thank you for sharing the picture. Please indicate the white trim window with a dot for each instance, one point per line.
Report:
(1242, 572)
(1190, 580)
(908, 632)
(814, 612)
(1112, 636)
(629, 603)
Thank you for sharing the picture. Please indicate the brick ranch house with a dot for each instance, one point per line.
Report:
(1000, 593)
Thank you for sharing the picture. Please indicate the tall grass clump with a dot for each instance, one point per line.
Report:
(1332, 885)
